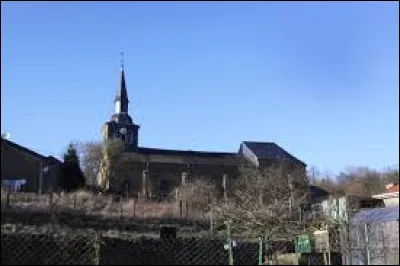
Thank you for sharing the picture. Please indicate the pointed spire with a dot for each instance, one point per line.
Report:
(122, 95)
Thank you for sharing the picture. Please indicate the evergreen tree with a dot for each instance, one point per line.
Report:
(71, 176)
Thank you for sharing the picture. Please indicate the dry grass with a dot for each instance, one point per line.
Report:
(150, 209)
(89, 203)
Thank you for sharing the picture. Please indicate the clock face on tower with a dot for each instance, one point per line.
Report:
(123, 131)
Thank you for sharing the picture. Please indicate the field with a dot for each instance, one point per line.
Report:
(89, 203)
(81, 228)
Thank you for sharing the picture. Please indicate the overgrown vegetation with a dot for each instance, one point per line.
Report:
(104, 161)
(357, 181)
(266, 200)
(201, 193)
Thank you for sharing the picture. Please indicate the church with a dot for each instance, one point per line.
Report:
(157, 171)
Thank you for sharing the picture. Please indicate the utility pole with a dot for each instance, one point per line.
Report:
(42, 169)
(40, 178)
(291, 200)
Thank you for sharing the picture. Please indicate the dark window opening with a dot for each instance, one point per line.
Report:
(164, 188)
(126, 188)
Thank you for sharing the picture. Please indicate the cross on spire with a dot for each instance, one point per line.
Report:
(122, 60)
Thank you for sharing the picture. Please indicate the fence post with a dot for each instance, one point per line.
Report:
(328, 245)
(121, 202)
(229, 241)
(267, 253)
(180, 209)
(97, 239)
(368, 254)
(8, 198)
(224, 186)
(260, 248)
(350, 257)
(75, 201)
(60, 200)
(384, 248)
(50, 200)
(176, 194)
(134, 208)
(212, 219)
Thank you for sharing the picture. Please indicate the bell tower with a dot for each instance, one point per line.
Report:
(121, 125)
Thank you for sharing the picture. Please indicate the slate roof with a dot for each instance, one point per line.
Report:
(317, 193)
(122, 118)
(29, 152)
(122, 94)
(270, 150)
(143, 150)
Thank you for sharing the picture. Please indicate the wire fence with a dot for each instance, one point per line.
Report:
(62, 229)
(374, 244)
(95, 249)
(364, 246)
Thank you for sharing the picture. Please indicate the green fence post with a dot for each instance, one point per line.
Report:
(260, 248)
(229, 241)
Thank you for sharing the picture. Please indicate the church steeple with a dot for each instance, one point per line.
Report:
(121, 125)
(121, 99)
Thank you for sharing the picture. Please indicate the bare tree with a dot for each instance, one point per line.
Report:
(358, 181)
(91, 154)
(201, 194)
(391, 175)
(111, 162)
(313, 174)
(102, 161)
(267, 200)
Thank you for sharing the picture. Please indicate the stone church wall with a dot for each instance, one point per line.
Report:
(161, 179)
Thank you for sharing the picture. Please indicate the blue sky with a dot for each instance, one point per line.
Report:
(319, 79)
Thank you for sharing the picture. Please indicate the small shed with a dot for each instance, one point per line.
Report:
(374, 237)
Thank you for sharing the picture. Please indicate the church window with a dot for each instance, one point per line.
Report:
(164, 187)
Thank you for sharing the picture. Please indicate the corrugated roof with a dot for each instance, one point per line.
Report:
(376, 215)
(270, 150)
